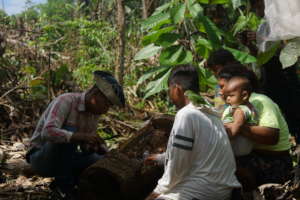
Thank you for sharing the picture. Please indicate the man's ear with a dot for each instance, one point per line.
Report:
(245, 95)
(179, 89)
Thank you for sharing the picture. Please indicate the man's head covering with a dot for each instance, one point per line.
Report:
(110, 87)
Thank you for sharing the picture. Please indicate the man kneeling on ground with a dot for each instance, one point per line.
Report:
(65, 141)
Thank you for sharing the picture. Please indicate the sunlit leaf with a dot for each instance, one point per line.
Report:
(162, 8)
(175, 55)
(147, 52)
(290, 53)
(158, 85)
(36, 82)
(204, 1)
(153, 36)
(236, 3)
(219, 1)
(264, 57)
(240, 24)
(195, 98)
(177, 13)
(29, 70)
(155, 20)
(167, 39)
(152, 73)
(194, 8)
(211, 31)
(242, 57)
(204, 47)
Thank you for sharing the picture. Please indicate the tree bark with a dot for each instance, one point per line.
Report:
(119, 70)
(122, 173)
(148, 7)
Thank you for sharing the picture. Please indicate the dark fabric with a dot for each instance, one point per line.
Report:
(62, 161)
(267, 169)
(283, 87)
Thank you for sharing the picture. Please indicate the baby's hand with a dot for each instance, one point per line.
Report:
(228, 128)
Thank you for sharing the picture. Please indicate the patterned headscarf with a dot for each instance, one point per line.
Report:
(110, 87)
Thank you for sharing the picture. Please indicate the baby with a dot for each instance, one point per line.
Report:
(239, 112)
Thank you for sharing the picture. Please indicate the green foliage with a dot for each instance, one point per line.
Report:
(247, 21)
(196, 99)
(180, 32)
(158, 85)
(147, 52)
(207, 80)
(240, 56)
(175, 55)
(264, 57)
(290, 53)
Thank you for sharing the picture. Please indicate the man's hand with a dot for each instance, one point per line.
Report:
(247, 37)
(89, 142)
(152, 196)
(151, 159)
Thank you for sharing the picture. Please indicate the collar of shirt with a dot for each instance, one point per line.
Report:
(81, 105)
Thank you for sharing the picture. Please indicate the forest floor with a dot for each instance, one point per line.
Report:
(17, 182)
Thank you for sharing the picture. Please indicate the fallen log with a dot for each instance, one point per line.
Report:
(122, 175)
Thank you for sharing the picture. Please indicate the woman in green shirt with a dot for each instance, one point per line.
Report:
(270, 161)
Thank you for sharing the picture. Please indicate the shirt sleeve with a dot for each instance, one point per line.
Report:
(267, 114)
(179, 152)
(53, 126)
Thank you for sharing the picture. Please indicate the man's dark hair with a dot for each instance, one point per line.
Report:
(220, 57)
(244, 83)
(238, 70)
(186, 76)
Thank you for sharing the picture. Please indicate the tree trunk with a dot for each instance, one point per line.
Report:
(119, 70)
(149, 7)
(122, 175)
(2, 44)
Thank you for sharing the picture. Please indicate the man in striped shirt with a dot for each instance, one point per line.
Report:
(65, 141)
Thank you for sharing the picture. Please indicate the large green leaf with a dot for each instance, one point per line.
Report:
(242, 57)
(195, 98)
(147, 52)
(264, 57)
(203, 47)
(167, 39)
(175, 55)
(249, 22)
(154, 20)
(204, 1)
(236, 3)
(152, 73)
(206, 79)
(153, 36)
(162, 8)
(290, 54)
(157, 86)
(211, 30)
(177, 13)
(219, 1)
(240, 24)
(194, 8)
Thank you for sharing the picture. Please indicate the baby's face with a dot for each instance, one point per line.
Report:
(233, 96)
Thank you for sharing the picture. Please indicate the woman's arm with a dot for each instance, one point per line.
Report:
(261, 134)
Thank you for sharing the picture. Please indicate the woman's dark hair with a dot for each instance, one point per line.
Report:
(220, 57)
(238, 70)
(186, 76)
